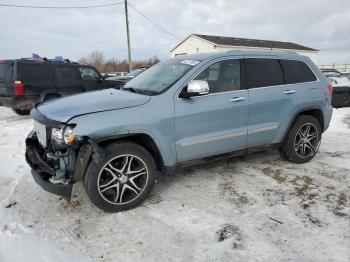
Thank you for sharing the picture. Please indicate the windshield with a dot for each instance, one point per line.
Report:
(160, 77)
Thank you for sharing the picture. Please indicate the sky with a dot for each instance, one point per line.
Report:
(74, 33)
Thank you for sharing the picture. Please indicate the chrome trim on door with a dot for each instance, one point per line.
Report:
(289, 92)
(237, 99)
(212, 139)
(263, 129)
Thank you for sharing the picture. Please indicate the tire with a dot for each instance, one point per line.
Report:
(301, 143)
(114, 191)
(21, 112)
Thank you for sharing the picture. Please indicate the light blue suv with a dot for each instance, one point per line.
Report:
(187, 108)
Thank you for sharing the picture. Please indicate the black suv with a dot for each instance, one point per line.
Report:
(26, 82)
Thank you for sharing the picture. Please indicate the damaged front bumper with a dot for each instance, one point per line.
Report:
(42, 172)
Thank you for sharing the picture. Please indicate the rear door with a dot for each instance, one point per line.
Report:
(67, 79)
(271, 102)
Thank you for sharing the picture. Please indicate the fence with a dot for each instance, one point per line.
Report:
(344, 68)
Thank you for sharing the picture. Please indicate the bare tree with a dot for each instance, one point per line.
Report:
(96, 59)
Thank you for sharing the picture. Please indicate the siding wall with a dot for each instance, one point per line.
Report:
(196, 45)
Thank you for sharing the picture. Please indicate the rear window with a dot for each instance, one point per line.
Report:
(296, 72)
(263, 72)
(66, 73)
(34, 72)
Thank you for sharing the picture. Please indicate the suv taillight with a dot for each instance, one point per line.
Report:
(19, 88)
(330, 90)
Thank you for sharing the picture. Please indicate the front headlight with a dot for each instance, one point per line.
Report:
(63, 135)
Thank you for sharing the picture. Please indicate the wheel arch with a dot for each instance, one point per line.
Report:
(49, 92)
(141, 139)
(316, 112)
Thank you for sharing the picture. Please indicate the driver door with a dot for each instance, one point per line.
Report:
(215, 123)
(91, 79)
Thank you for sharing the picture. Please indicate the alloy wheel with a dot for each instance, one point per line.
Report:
(122, 179)
(306, 141)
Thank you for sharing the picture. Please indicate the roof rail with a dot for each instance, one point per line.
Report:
(44, 59)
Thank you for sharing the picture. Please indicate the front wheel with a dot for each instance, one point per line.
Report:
(303, 140)
(122, 179)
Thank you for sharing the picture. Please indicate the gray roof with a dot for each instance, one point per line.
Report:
(234, 41)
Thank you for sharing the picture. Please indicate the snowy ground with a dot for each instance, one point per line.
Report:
(252, 208)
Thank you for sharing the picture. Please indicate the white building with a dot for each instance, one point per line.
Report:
(207, 43)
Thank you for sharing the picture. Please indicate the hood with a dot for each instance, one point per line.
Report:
(63, 109)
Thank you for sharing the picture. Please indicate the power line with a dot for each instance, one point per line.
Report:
(60, 7)
(155, 24)
(158, 26)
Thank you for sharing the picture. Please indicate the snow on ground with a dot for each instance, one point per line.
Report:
(252, 208)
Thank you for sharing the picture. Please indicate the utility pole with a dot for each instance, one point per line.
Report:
(128, 33)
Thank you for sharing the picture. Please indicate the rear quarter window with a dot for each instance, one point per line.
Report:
(263, 72)
(297, 72)
(34, 72)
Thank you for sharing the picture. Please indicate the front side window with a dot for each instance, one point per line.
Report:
(263, 72)
(296, 72)
(89, 74)
(160, 77)
(223, 76)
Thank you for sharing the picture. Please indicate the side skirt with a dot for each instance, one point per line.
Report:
(197, 162)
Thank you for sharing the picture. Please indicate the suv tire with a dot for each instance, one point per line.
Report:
(122, 178)
(303, 140)
(21, 112)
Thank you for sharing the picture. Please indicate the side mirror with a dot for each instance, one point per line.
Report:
(195, 88)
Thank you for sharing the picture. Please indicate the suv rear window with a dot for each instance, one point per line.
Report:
(33, 72)
(66, 73)
(296, 72)
(263, 72)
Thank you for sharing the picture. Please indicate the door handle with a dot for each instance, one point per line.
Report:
(237, 99)
(289, 92)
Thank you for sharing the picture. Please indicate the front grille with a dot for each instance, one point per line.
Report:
(41, 133)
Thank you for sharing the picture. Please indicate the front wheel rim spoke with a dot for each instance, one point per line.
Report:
(310, 146)
(307, 130)
(110, 187)
(136, 171)
(131, 179)
(303, 150)
(126, 186)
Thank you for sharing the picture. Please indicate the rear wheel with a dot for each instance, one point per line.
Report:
(303, 140)
(122, 179)
(21, 112)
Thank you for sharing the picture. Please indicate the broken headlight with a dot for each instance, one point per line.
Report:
(63, 135)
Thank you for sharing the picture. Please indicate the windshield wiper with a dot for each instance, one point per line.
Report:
(131, 89)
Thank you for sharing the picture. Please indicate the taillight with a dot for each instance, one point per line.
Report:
(330, 90)
(19, 88)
